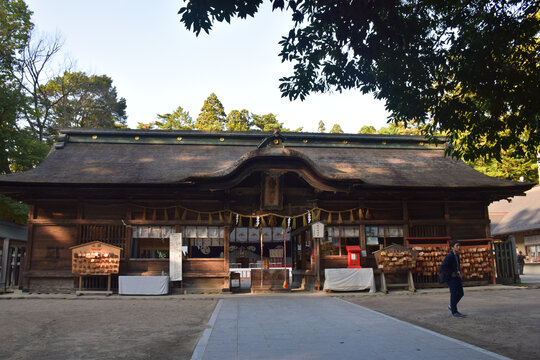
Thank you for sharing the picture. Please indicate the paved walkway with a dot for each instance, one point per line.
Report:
(259, 328)
(530, 279)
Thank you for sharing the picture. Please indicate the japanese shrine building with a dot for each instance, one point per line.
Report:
(132, 188)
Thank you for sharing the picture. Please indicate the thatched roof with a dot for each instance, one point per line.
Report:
(521, 213)
(172, 157)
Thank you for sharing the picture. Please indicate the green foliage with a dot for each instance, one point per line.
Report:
(336, 129)
(15, 27)
(18, 149)
(30, 109)
(12, 210)
(401, 128)
(266, 122)
(390, 130)
(321, 127)
(270, 123)
(465, 68)
(367, 129)
(85, 101)
(238, 120)
(509, 166)
(212, 116)
(178, 120)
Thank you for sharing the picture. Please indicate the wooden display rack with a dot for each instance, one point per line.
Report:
(387, 267)
(482, 246)
(439, 245)
(479, 246)
(95, 259)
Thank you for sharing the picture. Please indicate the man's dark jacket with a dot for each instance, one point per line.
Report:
(449, 265)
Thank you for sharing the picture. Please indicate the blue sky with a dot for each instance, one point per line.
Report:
(158, 65)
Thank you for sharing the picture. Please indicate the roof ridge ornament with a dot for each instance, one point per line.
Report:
(274, 140)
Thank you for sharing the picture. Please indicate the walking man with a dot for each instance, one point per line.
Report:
(450, 268)
(521, 262)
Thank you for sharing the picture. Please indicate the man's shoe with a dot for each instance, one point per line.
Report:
(449, 308)
(458, 314)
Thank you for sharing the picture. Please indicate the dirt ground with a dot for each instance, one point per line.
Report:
(108, 328)
(504, 321)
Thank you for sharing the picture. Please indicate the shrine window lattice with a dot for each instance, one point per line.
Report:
(109, 234)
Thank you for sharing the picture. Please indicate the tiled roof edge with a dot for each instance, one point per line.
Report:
(248, 138)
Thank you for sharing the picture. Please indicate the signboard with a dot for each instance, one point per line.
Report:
(175, 256)
(95, 258)
(317, 229)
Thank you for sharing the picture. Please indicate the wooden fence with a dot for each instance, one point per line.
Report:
(505, 262)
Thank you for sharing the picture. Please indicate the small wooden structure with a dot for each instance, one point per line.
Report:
(396, 259)
(95, 259)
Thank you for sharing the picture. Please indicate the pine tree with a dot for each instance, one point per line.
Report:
(321, 128)
(336, 129)
(212, 116)
(238, 120)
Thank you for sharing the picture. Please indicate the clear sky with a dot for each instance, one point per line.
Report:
(158, 65)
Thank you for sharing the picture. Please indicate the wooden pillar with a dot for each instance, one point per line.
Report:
(4, 263)
(405, 207)
(29, 245)
(16, 265)
(447, 219)
(226, 264)
(127, 236)
(80, 216)
(340, 239)
(226, 242)
(303, 249)
(487, 226)
(363, 237)
(316, 244)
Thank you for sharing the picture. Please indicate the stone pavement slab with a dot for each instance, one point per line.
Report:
(306, 327)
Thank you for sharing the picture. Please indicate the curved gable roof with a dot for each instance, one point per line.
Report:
(87, 156)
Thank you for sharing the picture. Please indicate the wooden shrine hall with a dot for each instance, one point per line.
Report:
(243, 200)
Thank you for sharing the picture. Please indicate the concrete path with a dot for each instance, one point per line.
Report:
(530, 278)
(294, 327)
